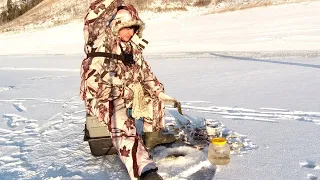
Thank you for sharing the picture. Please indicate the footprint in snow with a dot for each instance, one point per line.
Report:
(310, 164)
(19, 107)
(312, 177)
(6, 88)
(14, 120)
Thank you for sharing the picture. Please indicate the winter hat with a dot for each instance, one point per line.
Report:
(127, 16)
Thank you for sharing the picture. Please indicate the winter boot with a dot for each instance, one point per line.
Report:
(150, 175)
(151, 139)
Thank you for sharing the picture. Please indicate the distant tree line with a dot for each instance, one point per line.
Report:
(15, 10)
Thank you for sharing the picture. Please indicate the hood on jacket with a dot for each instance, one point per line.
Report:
(97, 35)
(127, 16)
(103, 21)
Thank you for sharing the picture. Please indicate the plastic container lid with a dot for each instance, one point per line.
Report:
(219, 141)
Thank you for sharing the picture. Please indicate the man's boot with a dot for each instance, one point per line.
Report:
(150, 175)
(151, 139)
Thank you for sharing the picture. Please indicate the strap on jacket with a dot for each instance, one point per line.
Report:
(105, 54)
(125, 58)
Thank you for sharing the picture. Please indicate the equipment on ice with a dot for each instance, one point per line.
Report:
(191, 131)
(219, 152)
(98, 136)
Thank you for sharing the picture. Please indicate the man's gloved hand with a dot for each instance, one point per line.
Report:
(177, 105)
(172, 101)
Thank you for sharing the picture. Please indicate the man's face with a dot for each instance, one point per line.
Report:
(126, 33)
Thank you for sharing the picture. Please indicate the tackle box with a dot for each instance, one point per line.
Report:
(98, 137)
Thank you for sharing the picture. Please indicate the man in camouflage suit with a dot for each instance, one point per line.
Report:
(115, 77)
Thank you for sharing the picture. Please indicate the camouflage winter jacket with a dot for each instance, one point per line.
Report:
(105, 79)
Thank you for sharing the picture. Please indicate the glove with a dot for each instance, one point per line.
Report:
(177, 105)
(172, 101)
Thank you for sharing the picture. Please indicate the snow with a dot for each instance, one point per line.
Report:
(277, 28)
(255, 71)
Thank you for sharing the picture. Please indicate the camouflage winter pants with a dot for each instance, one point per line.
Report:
(125, 139)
